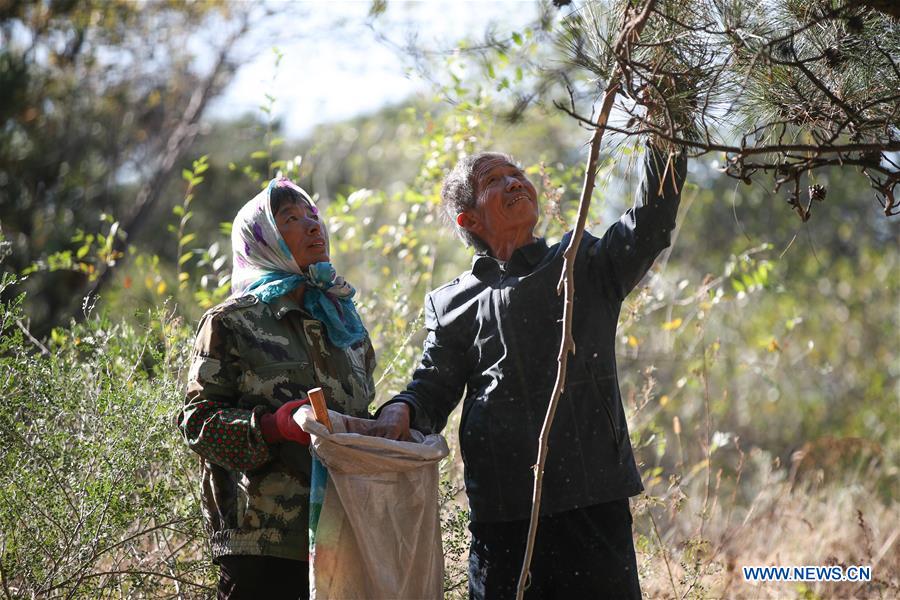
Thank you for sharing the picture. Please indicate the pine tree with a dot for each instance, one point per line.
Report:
(783, 86)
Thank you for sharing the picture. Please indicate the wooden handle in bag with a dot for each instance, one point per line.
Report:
(317, 399)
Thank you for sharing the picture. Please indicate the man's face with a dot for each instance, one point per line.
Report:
(506, 202)
(303, 232)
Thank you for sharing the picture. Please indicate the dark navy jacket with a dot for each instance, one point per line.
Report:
(494, 333)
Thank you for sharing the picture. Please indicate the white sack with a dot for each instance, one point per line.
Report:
(379, 532)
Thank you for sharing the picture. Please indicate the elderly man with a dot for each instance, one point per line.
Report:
(493, 336)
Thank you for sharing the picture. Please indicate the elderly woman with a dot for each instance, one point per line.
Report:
(290, 325)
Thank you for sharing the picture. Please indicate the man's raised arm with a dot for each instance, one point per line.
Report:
(628, 248)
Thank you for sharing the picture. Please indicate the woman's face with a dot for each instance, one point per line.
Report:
(303, 232)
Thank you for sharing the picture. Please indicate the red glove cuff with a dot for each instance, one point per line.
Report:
(281, 427)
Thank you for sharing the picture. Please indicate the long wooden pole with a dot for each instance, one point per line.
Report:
(629, 34)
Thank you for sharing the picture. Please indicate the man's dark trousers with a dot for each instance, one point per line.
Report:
(582, 553)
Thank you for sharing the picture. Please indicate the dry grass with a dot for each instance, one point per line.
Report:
(692, 540)
(693, 546)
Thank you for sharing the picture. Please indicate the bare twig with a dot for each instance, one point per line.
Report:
(665, 556)
(180, 139)
(32, 339)
(629, 34)
(139, 572)
(4, 579)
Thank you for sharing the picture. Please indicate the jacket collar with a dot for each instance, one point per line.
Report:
(282, 305)
(523, 260)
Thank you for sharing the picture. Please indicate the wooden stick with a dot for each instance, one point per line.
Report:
(631, 30)
(317, 399)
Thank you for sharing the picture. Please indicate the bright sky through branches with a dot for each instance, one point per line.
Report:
(334, 67)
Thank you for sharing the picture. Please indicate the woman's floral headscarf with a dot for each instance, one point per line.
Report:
(264, 267)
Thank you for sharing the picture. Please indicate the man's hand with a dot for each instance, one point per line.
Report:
(357, 425)
(392, 423)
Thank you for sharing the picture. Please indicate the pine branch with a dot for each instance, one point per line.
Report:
(890, 7)
(778, 80)
(744, 151)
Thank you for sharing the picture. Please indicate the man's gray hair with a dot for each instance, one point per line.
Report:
(458, 193)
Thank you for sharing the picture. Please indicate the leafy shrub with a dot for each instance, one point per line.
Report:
(97, 494)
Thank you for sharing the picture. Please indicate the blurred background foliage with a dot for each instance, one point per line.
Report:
(757, 361)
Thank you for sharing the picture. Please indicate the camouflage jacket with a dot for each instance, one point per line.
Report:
(250, 358)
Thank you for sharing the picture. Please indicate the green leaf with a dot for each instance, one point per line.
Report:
(82, 252)
(187, 175)
(178, 210)
(259, 154)
(184, 258)
(188, 239)
(517, 38)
